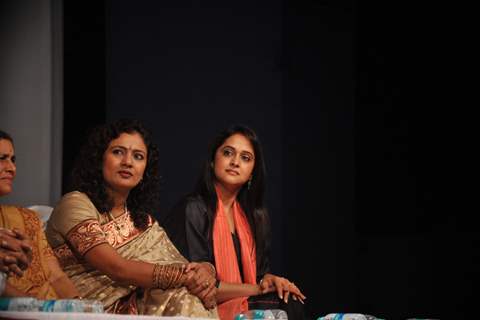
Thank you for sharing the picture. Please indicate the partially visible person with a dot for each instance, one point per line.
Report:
(15, 251)
(108, 242)
(15, 256)
(226, 223)
(25, 256)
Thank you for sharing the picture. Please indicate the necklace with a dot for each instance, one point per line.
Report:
(113, 218)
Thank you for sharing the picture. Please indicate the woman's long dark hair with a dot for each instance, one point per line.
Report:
(250, 198)
(87, 174)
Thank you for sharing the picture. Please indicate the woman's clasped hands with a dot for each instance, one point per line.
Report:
(200, 281)
(15, 251)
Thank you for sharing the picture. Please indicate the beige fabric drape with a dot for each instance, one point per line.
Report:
(76, 226)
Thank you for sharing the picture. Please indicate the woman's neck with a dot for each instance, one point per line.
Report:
(227, 196)
(119, 202)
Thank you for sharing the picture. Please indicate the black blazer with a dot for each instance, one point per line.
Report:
(189, 228)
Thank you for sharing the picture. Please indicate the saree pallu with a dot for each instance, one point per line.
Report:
(151, 245)
(35, 280)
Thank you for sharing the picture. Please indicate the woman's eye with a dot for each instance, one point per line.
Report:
(117, 151)
(246, 158)
(227, 152)
(138, 156)
(5, 158)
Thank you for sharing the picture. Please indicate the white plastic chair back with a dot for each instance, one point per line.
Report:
(43, 212)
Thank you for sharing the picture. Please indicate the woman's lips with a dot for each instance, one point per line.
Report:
(232, 172)
(125, 174)
(8, 179)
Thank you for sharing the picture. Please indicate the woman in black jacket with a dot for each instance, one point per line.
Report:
(226, 223)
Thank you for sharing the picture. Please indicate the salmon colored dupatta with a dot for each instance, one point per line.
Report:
(226, 258)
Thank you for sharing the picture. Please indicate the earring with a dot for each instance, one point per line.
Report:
(211, 164)
(249, 183)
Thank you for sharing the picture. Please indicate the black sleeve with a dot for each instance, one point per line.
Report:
(187, 226)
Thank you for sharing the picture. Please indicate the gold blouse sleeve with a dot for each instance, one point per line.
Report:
(75, 220)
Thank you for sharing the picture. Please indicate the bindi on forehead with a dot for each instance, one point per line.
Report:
(129, 142)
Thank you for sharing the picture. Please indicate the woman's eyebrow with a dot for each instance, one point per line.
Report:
(242, 151)
(125, 148)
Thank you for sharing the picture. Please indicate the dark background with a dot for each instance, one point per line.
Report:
(343, 96)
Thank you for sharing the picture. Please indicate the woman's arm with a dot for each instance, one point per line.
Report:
(227, 291)
(107, 260)
(62, 284)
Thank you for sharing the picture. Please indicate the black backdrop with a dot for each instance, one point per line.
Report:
(339, 94)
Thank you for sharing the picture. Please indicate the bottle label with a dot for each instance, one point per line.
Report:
(19, 304)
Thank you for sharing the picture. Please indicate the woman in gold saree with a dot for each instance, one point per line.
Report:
(29, 261)
(108, 243)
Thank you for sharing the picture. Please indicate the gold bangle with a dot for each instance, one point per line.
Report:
(167, 276)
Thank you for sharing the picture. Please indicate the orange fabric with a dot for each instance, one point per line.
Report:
(36, 278)
(226, 258)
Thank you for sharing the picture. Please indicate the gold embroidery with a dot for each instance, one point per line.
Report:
(65, 256)
(90, 233)
(121, 230)
(86, 235)
(34, 273)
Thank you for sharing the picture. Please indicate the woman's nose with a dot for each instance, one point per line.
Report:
(127, 159)
(234, 161)
(11, 167)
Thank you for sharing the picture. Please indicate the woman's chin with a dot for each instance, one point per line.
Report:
(5, 190)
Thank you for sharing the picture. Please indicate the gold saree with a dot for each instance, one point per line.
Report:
(36, 279)
(76, 226)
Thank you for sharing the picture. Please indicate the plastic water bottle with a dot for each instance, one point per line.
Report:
(3, 282)
(19, 304)
(71, 305)
(256, 314)
(278, 314)
(343, 316)
(61, 305)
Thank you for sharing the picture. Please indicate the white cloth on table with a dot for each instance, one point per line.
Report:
(83, 316)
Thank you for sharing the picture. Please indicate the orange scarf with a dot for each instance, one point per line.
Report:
(226, 258)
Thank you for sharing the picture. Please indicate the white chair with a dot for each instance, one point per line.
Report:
(43, 212)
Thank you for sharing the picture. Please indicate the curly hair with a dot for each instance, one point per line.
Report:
(87, 174)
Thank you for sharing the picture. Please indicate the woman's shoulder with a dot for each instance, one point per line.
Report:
(73, 208)
(190, 207)
(75, 196)
(195, 201)
(74, 201)
(193, 206)
(14, 210)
